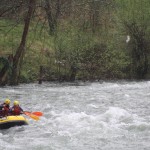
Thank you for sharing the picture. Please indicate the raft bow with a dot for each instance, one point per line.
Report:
(11, 121)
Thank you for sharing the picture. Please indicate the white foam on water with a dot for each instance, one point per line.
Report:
(92, 105)
(117, 115)
(73, 123)
(102, 116)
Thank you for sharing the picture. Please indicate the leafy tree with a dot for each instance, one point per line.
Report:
(18, 58)
(13, 7)
(135, 18)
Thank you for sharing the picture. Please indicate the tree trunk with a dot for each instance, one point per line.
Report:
(73, 73)
(5, 70)
(18, 58)
(41, 75)
(139, 49)
(52, 15)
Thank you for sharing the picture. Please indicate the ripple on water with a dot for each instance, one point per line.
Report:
(103, 116)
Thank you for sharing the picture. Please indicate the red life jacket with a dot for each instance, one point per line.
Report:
(5, 110)
(16, 110)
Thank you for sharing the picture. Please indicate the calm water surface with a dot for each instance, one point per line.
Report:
(83, 116)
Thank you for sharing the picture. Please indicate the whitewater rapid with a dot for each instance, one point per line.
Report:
(81, 116)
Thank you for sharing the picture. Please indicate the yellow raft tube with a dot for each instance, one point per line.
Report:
(11, 121)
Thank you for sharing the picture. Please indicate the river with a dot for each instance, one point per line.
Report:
(81, 116)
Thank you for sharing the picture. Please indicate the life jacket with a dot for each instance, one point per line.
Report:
(4, 110)
(16, 110)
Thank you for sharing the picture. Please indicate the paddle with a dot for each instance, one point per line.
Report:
(37, 113)
(31, 115)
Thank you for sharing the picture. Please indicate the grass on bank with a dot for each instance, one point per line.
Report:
(70, 45)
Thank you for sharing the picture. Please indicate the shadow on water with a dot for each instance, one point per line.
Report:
(12, 130)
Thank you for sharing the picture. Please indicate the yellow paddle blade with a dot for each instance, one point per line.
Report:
(32, 116)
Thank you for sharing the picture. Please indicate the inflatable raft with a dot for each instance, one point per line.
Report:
(11, 121)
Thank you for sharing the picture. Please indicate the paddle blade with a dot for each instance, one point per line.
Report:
(32, 116)
(37, 113)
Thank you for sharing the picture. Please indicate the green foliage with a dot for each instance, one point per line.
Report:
(90, 39)
(91, 54)
(70, 43)
(134, 10)
(10, 36)
(135, 21)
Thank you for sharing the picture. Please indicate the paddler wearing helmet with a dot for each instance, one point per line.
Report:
(16, 109)
(4, 108)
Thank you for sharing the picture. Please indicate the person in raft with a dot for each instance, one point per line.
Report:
(4, 108)
(16, 109)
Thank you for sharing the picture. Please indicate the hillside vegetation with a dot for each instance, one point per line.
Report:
(74, 40)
